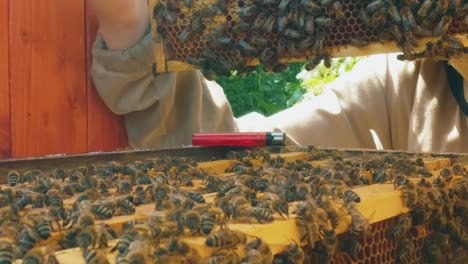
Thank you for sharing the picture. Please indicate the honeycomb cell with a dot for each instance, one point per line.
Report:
(341, 29)
(367, 251)
(181, 16)
(374, 249)
(369, 239)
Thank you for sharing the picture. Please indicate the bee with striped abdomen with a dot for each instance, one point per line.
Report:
(7, 250)
(95, 256)
(40, 255)
(226, 239)
(293, 253)
(261, 247)
(13, 178)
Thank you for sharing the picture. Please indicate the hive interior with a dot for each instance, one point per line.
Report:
(377, 247)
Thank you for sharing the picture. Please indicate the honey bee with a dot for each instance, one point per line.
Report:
(305, 219)
(224, 256)
(226, 239)
(351, 246)
(327, 61)
(424, 9)
(313, 62)
(407, 18)
(360, 226)
(262, 248)
(247, 11)
(260, 21)
(258, 41)
(179, 248)
(95, 236)
(401, 228)
(404, 251)
(394, 14)
(359, 43)
(293, 253)
(40, 255)
(7, 250)
(283, 4)
(311, 7)
(338, 10)
(98, 256)
(375, 5)
(442, 26)
(324, 22)
(453, 42)
(350, 195)
(247, 48)
(422, 32)
(124, 241)
(203, 12)
(26, 238)
(13, 178)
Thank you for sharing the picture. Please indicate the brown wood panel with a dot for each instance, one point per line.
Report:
(106, 130)
(5, 144)
(48, 80)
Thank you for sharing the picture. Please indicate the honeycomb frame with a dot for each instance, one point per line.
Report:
(171, 53)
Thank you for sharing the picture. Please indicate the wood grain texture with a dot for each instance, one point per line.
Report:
(48, 81)
(106, 130)
(5, 144)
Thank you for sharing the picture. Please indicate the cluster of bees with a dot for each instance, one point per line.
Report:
(411, 20)
(188, 202)
(270, 30)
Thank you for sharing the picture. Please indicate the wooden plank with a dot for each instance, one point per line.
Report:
(159, 50)
(106, 130)
(5, 128)
(48, 82)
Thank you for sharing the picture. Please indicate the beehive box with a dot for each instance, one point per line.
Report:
(221, 35)
(380, 206)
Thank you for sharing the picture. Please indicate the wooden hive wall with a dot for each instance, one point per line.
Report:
(48, 104)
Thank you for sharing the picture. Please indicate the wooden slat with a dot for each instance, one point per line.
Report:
(159, 50)
(48, 82)
(5, 143)
(106, 130)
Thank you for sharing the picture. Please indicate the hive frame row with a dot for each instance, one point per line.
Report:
(372, 196)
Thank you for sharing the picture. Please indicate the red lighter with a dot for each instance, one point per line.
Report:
(244, 139)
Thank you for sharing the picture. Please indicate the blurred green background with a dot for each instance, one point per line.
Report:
(269, 93)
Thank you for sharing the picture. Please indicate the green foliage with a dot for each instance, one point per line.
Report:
(269, 93)
(315, 80)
